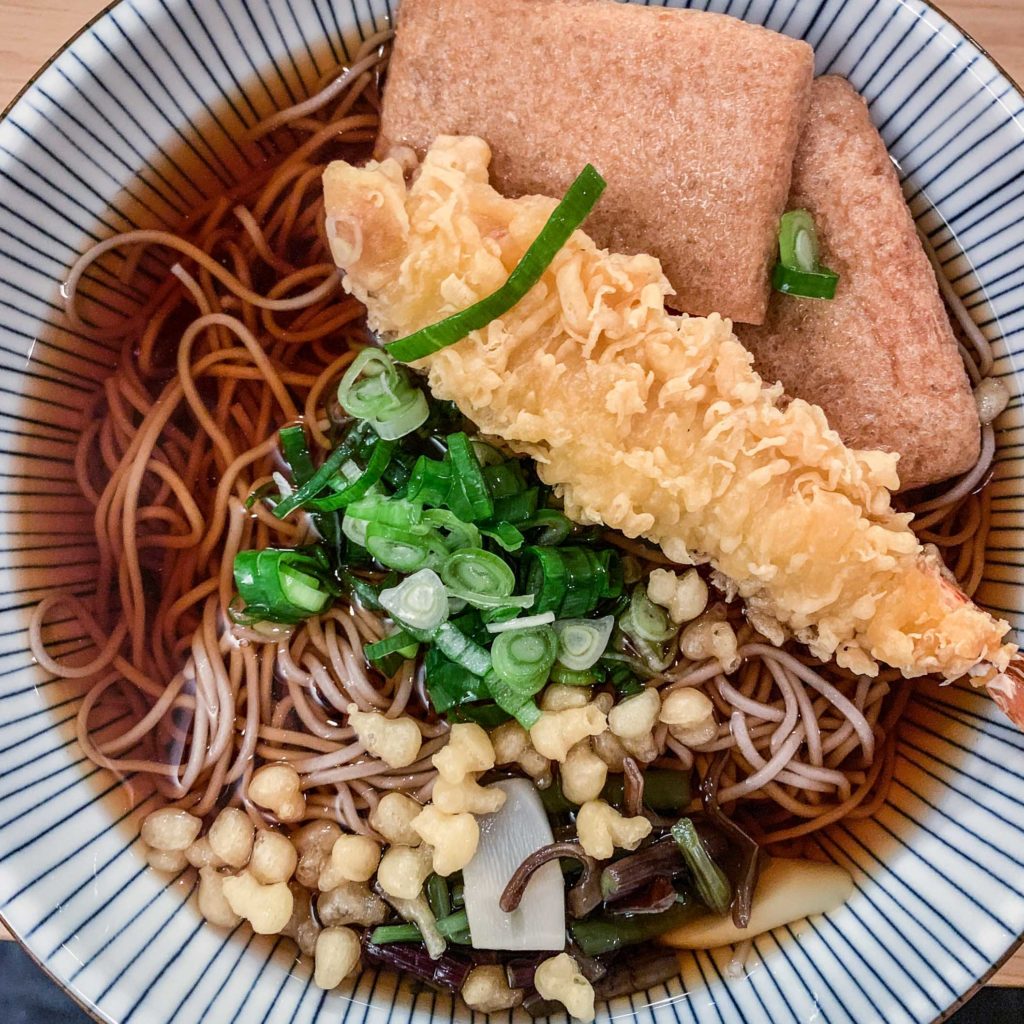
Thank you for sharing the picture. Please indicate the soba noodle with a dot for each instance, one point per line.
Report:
(249, 331)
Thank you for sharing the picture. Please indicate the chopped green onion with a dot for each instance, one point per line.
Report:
(487, 715)
(708, 878)
(365, 592)
(459, 648)
(376, 390)
(420, 601)
(402, 549)
(522, 658)
(460, 535)
(296, 453)
(318, 481)
(505, 535)
(468, 496)
(798, 241)
(527, 622)
(374, 508)
(514, 701)
(449, 685)
(504, 479)
(564, 220)
(482, 579)
(430, 482)
(799, 270)
(570, 677)
(570, 581)
(516, 508)
(302, 590)
(267, 490)
(379, 461)
(280, 585)
(581, 642)
(645, 620)
(818, 284)
(555, 526)
(487, 454)
(398, 643)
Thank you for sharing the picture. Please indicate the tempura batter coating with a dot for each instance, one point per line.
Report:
(651, 423)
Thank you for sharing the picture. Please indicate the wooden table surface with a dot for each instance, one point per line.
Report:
(30, 31)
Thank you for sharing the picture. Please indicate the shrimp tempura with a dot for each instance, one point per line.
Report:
(655, 424)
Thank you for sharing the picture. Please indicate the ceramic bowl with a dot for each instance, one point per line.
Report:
(130, 125)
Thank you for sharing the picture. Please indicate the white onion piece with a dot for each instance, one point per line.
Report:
(787, 891)
(507, 838)
(991, 397)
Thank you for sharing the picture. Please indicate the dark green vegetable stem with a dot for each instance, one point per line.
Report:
(598, 935)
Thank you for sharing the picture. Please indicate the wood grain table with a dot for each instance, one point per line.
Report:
(31, 30)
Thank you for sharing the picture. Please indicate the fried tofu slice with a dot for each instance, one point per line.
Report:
(653, 424)
(692, 118)
(880, 359)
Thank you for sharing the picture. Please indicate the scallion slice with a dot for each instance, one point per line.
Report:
(482, 579)
(505, 535)
(554, 526)
(514, 701)
(380, 458)
(645, 620)
(419, 601)
(458, 534)
(400, 642)
(280, 585)
(402, 549)
(570, 677)
(468, 496)
(318, 481)
(296, 453)
(459, 648)
(376, 390)
(798, 241)
(430, 481)
(522, 658)
(526, 622)
(581, 642)
(503, 478)
(806, 284)
(571, 581)
(799, 270)
(564, 220)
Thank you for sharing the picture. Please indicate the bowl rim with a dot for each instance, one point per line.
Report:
(93, 1011)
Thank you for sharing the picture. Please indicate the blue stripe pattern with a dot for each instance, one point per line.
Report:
(139, 119)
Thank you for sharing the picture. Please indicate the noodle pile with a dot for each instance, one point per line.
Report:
(250, 331)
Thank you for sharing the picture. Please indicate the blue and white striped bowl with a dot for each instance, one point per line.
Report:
(130, 125)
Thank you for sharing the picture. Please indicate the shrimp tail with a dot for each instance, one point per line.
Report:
(1007, 690)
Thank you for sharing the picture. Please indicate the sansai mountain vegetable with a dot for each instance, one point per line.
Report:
(709, 880)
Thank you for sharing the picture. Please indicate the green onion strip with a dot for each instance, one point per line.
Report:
(564, 220)
(799, 270)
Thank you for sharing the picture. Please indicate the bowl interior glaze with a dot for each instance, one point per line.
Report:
(134, 123)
